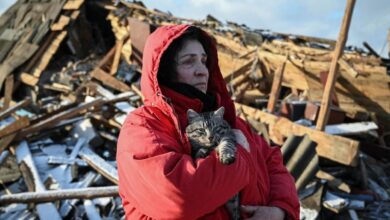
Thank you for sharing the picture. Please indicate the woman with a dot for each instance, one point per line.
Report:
(158, 179)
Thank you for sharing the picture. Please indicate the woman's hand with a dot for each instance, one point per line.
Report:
(263, 212)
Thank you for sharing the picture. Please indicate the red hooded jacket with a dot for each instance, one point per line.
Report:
(158, 179)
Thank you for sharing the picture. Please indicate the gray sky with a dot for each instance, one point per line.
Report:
(370, 21)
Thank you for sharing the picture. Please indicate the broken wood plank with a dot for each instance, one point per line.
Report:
(23, 156)
(15, 126)
(276, 87)
(73, 4)
(229, 77)
(331, 81)
(62, 22)
(6, 141)
(53, 195)
(9, 88)
(106, 58)
(49, 122)
(336, 148)
(49, 53)
(20, 54)
(42, 49)
(57, 160)
(28, 79)
(109, 80)
(117, 57)
(17, 106)
(99, 164)
(345, 65)
(333, 181)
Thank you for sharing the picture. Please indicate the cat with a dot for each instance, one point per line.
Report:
(209, 131)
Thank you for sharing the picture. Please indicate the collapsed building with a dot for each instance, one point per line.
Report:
(69, 75)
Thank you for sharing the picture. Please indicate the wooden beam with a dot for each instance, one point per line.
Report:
(49, 53)
(62, 22)
(388, 43)
(99, 164)
(17, 106)
(73, 4)
(106, 58)
(331, 81)
(229, 77)
(53, 195)
(49, 122)
(6, 141)
(333, 181)
(117, 57)
(28, 79)
(336, 148)
(109, 80)
(348, 68)
(276, 87)
(15, 126)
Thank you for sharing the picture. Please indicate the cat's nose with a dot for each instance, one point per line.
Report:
(211, 138)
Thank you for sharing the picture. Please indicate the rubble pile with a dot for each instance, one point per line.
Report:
(70, 72)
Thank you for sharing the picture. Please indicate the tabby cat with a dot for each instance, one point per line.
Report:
(208, 131)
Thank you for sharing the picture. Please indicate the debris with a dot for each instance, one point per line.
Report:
(69, 81)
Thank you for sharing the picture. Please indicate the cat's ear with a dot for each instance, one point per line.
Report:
(219, 112)
(191, 114)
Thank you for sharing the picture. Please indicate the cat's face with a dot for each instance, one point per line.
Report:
(205, 129)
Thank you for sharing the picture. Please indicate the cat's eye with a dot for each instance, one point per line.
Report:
(200, 131)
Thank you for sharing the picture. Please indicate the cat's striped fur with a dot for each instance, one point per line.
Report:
(208, 131)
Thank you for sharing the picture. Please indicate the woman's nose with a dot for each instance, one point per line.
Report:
(201, 69)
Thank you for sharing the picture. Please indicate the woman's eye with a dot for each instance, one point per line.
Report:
(188, 62)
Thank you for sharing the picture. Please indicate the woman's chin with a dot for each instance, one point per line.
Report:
(202, 88)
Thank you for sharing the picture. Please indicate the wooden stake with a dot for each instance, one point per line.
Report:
(9, 87)
(117, 57)
(331, 81)
(388, 42)
(276, 86)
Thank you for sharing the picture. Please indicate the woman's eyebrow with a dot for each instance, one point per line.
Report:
(191, 55)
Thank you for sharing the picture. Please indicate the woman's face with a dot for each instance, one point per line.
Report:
(191, 65)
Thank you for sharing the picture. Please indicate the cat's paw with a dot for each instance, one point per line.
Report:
(227, 158)
(201, 153)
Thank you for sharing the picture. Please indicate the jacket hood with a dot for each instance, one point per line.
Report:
(155, 46)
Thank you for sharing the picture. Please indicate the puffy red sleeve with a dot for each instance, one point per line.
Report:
(283, 193)
(159, 179)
